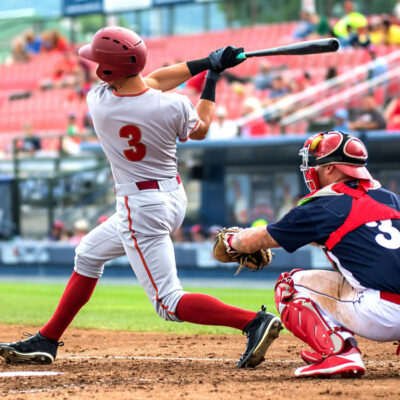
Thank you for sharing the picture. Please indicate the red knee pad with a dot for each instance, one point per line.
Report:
(284, 289)
(302, 318)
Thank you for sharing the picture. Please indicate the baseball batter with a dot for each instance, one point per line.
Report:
(357, 223)
(138, 125)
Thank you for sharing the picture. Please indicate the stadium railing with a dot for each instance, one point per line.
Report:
(332, 93)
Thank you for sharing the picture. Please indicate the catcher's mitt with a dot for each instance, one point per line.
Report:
(224, 253)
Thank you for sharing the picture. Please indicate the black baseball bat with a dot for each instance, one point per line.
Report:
(308, 47)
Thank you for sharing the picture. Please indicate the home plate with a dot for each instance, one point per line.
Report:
(28, 373)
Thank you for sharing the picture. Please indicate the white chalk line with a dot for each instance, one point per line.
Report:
(148, 358)
(89, 357)
(93, 357)
(10, 374)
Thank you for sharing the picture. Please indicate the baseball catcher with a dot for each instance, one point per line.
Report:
(357, 224)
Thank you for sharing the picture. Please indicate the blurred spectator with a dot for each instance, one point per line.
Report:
(392, 115)
(379, 65)
(31, 143)
(262, 210)
(66, 73)
(300, 83)
(18, 54)
(375, 30)
(256, 127)
(331, 73)
(368, 117)
(178, 236)
(286, 203)
(212, 232)
(391, 32)
(321, 26)
(71, 143)
(311, 26)
(33, 43)
(341, 120)
(347, 28)
(81, 228)
(195, 84)
(362, 39)
(57, 231)
(197, 233)
(240, 205)
(264, 77)
(102, 218)
(396, 11)
(73, 128)
(305, 27)
(84, 78)
(279, 89)
(259, 222)
(53, 41)
(88, 125)
(221, 127)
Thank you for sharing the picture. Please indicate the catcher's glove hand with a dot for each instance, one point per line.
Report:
(223, 252)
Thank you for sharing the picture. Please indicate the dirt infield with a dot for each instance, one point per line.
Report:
(125, 365)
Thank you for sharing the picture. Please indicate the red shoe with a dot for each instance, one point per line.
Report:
(349, 364)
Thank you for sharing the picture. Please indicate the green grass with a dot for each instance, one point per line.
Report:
(116, 307)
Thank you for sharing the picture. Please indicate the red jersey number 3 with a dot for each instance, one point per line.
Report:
(137, 151)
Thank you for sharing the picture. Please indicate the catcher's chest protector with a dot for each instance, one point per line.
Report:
(364, 209)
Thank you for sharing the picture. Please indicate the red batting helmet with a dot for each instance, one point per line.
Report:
(119, 52)
(346, 152)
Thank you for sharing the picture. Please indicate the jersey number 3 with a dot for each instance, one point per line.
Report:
(137, 149)
(390, 236)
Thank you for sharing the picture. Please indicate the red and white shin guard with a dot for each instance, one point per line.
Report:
(301, 316)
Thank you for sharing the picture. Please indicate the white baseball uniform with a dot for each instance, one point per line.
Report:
(138, 134)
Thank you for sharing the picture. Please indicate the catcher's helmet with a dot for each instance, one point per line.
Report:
(119, 52)
(334, 147)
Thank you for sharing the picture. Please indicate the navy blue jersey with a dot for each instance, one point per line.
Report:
(370, 253)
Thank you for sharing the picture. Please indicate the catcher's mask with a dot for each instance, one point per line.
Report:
(346, 152)
(119, 52)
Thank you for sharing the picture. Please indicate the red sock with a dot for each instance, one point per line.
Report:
(206, 310)
(77, 293)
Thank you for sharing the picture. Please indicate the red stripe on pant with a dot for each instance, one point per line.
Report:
(142, 258)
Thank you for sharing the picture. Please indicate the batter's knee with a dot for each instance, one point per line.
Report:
(87, 265)
(166, 307)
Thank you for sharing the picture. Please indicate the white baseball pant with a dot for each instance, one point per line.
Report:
(362, 312)
(141, 229)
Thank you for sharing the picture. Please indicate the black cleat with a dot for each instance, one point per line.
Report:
(35, 350)
(261, 332)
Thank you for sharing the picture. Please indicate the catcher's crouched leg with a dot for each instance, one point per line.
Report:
(301, 316)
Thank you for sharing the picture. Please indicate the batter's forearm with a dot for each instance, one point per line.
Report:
(205, 110)
(206, 105)
(168, 78)
(252, 239)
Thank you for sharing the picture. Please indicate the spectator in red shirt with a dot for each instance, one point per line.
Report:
(195, 85)
(392, 115)
(54, 41)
